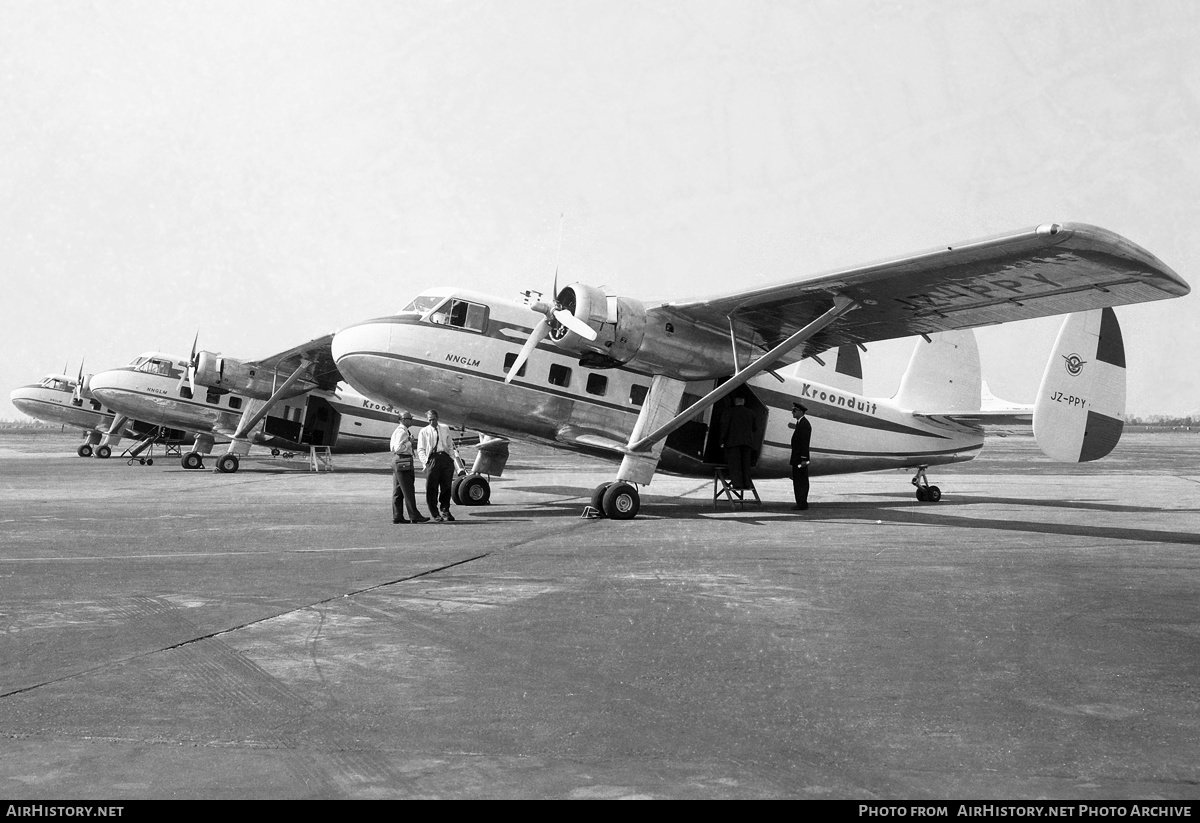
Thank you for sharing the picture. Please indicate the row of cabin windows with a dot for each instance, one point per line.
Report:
(212, 396)
(597, 384)
(474, 316)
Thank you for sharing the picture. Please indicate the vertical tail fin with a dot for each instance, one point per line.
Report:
(1080, 407)
(943, 374)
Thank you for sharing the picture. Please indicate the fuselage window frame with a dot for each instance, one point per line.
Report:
(559, 375)
(597, 384)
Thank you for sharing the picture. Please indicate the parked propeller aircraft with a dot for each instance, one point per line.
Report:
(646, 383)
(68, 401)
(217, 397)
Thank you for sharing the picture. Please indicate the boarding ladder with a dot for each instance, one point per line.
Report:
(320, 459)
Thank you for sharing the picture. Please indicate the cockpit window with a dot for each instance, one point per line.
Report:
(56, 384)
(422, 304)
(137, 361)
(461, 314)
(154, 366)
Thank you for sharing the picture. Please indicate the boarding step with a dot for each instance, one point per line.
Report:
(723, 487)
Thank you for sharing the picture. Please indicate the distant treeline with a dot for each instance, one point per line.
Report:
(1161, 423)
(28, 424)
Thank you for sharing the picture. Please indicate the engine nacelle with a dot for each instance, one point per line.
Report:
(232, 375)
(619, 323)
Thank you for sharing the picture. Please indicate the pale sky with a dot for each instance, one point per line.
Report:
(267, 172)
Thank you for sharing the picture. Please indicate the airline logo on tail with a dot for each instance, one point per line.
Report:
(1075, 364)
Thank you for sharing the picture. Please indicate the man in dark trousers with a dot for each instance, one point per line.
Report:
(404, 452)
(799, 459)
(738, 428)
(436, 450)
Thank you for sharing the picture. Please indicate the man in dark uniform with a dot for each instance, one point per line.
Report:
(799, 459)
(738, 428)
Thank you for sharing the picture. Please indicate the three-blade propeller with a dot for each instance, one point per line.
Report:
(190, 374)
(551, 313)
(77, 395)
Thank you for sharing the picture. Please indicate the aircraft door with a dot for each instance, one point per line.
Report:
(713, 453)
(321, 422)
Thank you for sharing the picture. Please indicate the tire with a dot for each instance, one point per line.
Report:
(933, 494)
(192, 460)
(104, 452)
(227, 464)
(597, 501)
(274, 452)
(84, 451)
(455, 486)
(621, 501)
(149, 461)
(474, 490)
(921, 493)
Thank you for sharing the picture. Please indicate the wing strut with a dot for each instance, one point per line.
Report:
(247, 424)
(841, 305)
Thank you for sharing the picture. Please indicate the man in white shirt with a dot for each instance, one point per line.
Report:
(436, 450)
(404, 493)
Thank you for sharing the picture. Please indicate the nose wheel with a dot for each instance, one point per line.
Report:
(925, 492)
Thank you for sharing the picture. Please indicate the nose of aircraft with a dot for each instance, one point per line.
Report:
(359, 353)
(103, 384)
(23, 399)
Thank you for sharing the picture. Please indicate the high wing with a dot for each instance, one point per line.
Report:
(323, 371)
(1051, 269)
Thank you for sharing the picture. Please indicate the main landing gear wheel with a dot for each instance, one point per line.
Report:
(227, 464)
(597, 501)
(84, 451)
(621, 501)
(104, 452)
(925, 492)
(192, 460)
(473, 490)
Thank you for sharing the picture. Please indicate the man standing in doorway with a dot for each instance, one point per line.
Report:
(799, 459)
(435, 448)
(738, 430)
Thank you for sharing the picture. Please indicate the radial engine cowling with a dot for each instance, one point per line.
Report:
(619, 323)
(241, 378)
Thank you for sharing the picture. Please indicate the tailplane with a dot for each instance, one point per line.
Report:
(942, 375)
(1080, 407)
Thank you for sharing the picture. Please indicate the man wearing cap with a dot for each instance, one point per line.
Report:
(404, 472)
(801, 434)
(436, 450)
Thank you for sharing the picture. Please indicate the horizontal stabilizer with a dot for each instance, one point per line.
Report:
(942, 376)
(1080, 407)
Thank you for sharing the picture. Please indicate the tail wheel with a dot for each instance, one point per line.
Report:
(104, 452)
(474, 490)
(621, 501)
(228, 464)
(84, 451)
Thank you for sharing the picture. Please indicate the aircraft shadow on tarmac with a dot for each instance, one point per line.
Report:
(904, 511)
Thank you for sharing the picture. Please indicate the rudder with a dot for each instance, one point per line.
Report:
(1080, 409)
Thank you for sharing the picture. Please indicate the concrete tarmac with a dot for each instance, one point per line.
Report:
(271, 634)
